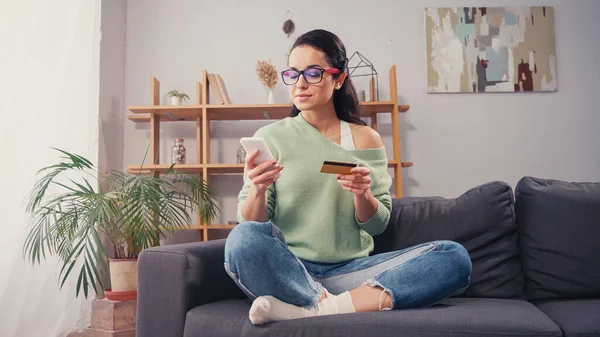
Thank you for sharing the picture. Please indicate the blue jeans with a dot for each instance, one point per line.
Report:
(259, 261)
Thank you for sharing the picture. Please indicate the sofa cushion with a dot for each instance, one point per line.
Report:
(559, 235)
(454, 317)
(576, 318)
(482, 220)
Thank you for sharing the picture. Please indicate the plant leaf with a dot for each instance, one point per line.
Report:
(79, 280)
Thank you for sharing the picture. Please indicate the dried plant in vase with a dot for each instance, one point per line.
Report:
(267, 74)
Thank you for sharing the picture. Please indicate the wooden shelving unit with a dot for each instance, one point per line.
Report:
(239, 111)
(202, 112)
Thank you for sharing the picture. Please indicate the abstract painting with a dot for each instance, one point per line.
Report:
(490, 49)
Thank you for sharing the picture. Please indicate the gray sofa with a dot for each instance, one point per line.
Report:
(536, 272)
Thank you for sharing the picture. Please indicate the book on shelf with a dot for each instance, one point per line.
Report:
(372, 90)
(223, 89)
(218, 88)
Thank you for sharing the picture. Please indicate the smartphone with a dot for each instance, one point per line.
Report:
(252, 144)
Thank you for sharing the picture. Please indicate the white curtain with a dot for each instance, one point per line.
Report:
(49, 63)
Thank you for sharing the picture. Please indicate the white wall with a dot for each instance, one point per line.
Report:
(112, 95)
(49, 98)
(456, 141)
(112, 84)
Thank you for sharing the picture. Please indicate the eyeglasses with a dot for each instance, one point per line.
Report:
(311, 75)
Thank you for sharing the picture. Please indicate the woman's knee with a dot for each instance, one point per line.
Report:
(457, 259)
(245, 237)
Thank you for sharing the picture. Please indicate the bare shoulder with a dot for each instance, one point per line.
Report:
(365, 137)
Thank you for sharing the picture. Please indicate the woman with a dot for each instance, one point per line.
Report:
(302, 246)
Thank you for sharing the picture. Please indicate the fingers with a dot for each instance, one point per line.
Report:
(250, 160)
(354, 178)
(354, 189)
(260, 169)
(269, 165)
(265, 180)
(267, 177)
(359, 174)
(358, 186)
(362, 171)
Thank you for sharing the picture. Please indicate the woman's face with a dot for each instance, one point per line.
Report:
(308, 95)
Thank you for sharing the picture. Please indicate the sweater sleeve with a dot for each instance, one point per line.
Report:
(381, 181)
(271, 192)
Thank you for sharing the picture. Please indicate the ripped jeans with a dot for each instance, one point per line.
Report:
(259, 261)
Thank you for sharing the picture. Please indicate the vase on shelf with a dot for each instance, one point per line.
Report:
(271, 98)
(362, 96)
(178, 152)
(241, 155)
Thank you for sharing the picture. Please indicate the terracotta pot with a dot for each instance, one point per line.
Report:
(123, 274)
(120, 295)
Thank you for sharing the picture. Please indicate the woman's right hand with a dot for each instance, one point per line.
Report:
(263, 175)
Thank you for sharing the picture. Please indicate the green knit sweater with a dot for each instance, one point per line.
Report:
(316, 216)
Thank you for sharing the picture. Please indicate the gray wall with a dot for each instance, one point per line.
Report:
(456, 140)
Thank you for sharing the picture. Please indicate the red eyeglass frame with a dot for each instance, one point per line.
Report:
(334, 71)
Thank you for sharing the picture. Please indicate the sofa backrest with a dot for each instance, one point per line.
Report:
(559, 238)
(482, 220)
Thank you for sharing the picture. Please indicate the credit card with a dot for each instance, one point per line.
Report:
(336, 167)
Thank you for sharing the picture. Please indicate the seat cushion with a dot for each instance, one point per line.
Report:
(482, 220)
(576, 318)
(559, 224)
(454, 317)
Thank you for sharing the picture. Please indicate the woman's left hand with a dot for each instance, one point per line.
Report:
(359, 182)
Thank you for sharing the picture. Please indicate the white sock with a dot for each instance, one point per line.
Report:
(268, 308)
(335, 304)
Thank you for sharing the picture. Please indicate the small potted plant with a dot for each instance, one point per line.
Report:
(67, 215)
(177, 98)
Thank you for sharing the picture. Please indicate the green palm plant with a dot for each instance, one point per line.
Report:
(133, 211)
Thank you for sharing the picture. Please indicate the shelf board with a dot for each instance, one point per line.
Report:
(145, 118)
(146, 169)
(195, 227)
(369, 108)
(393, 163)
(167, 112)
(224, 112)
(239, 168)
(221, 226)
(228, 112)
(403, 108)
(225, 168)
(212, 168)
(188, 168)
(210, 227)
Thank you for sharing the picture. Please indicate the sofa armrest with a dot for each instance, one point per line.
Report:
(175, 278)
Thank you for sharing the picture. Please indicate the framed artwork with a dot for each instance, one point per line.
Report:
(490, 49)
